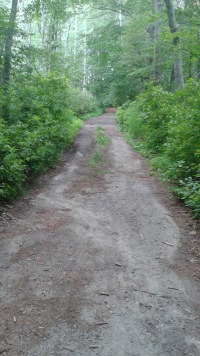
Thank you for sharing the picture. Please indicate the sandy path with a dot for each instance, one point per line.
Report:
(89, 263)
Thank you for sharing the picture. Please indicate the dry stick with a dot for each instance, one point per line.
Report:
(144, 291)
(118, 264)
(168, 244)
(173, 288)
(137, 259)
(104, 293)
(150, 293)
(103, 323)
(93, 347)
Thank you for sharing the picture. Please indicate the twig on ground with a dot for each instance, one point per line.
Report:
(154, 294)
(118, 264)
(102, 323)
(173, 288)
(94, 347)
(168, 244)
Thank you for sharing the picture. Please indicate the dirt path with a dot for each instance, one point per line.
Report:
(94, 264)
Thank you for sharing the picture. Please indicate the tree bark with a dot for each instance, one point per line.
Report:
(8, 43)
(8, 54)
(198, 62)
(158, 5)
(75, 32)
(178, 71)
(43, 32)
(85, 55)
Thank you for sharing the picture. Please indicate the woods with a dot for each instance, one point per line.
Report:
(41, 102)
(60, 60)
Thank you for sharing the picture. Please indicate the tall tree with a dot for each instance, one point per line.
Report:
(8, 54)
(158, 5)
(177, 66)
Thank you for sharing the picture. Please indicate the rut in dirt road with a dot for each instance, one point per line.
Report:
(88, 263)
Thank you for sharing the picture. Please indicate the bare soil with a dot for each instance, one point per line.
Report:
(99, 262)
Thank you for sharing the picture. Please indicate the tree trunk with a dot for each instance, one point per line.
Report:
(176, 42)
(85, 55)
(75, 33)
(43, 32)
(158, 5)
(8, 44)
(8, 54)
(198, 62)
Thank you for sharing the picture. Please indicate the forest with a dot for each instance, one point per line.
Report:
(66, 60)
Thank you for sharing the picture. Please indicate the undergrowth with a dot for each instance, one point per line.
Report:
(42, 123)
(165, 128)
(99, 137)
(89, 115)
(97, 159)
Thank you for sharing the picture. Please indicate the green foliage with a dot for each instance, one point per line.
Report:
(46, 127)
(128, 118)
(96, 159)
(100, 139)
(38, 95)
(189, 192)
(82, 102)
(95, 113)
(11, 166)
(166, 127)
(29, 149)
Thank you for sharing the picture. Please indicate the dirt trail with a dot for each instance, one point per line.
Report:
(93, 264)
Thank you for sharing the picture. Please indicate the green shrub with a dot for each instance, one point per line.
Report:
(11, 166)
(166, 126)
(32, 144)
(82, 102)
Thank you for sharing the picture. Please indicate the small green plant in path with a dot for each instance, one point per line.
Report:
(96, 159)
(99, 137)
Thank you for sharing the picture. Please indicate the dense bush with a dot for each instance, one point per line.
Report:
(166, 126)
(82, 102)
(40, 126)
(27, 150)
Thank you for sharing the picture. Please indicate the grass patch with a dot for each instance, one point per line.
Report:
(100, 139)
(89, 115)
(96, 159)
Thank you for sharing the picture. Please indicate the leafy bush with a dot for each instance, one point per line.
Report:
(26, 153)
(31, 144)
(167, 126)
(82, 102)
